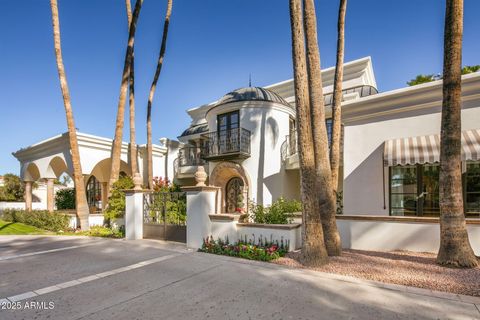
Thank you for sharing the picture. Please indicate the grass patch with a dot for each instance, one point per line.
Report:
(17, 228)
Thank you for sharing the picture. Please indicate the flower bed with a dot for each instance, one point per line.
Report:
(263, 250)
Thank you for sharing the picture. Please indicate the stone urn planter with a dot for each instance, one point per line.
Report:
(200, 176)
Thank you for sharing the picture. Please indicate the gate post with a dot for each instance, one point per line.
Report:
(134, 214)
(201, 202)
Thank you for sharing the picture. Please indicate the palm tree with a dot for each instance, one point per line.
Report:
(117, 142)
(313, 250)
(131, 101)
(455, 248)
(337, 98)
(323, 174)
(152, 93)
(80, 194)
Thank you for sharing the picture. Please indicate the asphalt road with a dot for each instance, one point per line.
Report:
(86, 278)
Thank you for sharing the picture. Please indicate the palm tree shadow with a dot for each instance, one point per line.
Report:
(6, 225)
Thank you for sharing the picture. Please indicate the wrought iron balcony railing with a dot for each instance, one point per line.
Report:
(289, 146)
(227, 144)
(190, 156)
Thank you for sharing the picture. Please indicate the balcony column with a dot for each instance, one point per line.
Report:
(28, 195)
(50, 194)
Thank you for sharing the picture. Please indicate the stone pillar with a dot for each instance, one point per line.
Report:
(200, 204)
(28, 195)
(50, 195)
(104, 187)
(134, 214)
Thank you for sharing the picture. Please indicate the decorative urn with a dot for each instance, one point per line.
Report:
(200, 176)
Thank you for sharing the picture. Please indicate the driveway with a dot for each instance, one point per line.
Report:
(48, 277)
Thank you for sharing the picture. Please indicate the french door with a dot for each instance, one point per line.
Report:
(228, 125)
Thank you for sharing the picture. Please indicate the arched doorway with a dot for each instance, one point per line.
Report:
(94, 194)
(234, 201)
(234, 183)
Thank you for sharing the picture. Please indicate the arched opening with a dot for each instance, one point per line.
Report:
(101, 170)
(57, 167)
(94, 194)
(234, 183)
(31, 173)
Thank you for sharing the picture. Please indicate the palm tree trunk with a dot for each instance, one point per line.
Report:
(337, 98)
(152, 93)
(323, 174)
(131, 97)
(117, 142)
(80, 194)
(314, 252)
(455, 249)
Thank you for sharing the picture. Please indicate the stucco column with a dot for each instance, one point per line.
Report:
(28, 195)
(134, 214)
(200, 204)
(104, 195)
(50, 195)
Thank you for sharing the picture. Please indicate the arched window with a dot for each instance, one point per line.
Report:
(94, 194)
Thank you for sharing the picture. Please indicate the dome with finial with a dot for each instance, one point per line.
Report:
(252, 94)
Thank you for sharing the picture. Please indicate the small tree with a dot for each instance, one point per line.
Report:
(470, 69)
(422, 78)
(116, 202)
(13, 188)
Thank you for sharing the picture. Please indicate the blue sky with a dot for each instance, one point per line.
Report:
(213, 46)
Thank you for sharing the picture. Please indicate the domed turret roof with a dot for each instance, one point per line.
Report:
(252, 94)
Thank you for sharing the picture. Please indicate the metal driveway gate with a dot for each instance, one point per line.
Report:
(165, 216)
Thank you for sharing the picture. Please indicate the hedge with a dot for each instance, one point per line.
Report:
(38, 218)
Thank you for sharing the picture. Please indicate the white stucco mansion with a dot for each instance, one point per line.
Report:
(247, 143)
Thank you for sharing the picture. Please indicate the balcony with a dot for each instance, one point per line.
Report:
(185, 165)
(289, 152)
(226, 144)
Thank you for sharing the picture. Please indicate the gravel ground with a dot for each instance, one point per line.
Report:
(398, 267)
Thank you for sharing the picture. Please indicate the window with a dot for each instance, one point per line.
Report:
(329, 124)
(403, 191)
(94, 195)
(415, 190)
(471, 189)
(228, 132)
(228, 121)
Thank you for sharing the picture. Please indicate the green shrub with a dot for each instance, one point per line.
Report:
(280, 212)
(52, 221)
(65, 199)
(116, 202)
(99, 231)
(262, 250)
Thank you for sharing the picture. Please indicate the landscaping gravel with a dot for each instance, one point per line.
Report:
(398, 267)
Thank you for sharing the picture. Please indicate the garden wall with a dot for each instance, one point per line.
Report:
(94, 219)
(398, 233)
(21, 205)
(223, 226)
(288, 233)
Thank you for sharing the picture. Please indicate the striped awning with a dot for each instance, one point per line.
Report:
(426, 149)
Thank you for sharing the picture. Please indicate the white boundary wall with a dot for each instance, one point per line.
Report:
(394, 235)
(21, 205)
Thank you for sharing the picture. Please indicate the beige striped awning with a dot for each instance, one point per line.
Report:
(426, 149)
